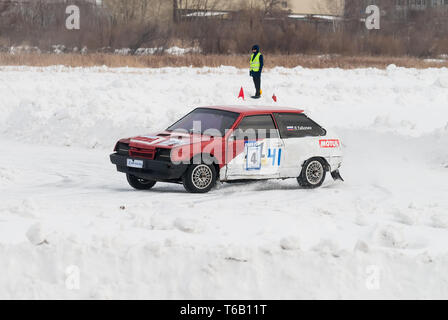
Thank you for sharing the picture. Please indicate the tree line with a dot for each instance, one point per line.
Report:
(135, 24)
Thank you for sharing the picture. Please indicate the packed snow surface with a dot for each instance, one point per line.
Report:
(71, 227)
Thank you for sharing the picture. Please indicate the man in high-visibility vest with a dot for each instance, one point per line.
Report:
(256, 67)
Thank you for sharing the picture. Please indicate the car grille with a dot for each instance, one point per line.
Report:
(150, 154)
(143, 153)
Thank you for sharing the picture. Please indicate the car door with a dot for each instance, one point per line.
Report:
(254, 149)
(300, 136)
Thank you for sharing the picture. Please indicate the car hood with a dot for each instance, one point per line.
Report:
(165, 139)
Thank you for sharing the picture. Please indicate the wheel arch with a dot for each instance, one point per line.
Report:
(214, 160)
(327, 166)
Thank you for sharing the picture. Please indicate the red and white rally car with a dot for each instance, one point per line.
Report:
(231, 143)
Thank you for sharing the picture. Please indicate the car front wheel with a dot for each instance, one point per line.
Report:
(139, 183)
(199, 178)
(313, 174)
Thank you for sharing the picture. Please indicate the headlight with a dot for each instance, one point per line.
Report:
(163, 154)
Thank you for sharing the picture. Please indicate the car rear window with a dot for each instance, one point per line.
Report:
(295, 125)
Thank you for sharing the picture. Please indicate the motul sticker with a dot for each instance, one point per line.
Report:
(329, 143)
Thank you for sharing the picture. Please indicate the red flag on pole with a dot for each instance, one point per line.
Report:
(274, 97)
(241, 95)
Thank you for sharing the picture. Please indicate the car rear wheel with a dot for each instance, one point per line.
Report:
(139, 183)
(313, 174)
(199, 178)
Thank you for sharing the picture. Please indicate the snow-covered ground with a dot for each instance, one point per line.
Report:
(71, 227)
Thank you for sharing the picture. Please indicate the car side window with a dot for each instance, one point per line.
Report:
(256, 127)
(295, 125)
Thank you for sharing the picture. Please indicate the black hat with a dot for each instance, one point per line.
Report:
(256, 47)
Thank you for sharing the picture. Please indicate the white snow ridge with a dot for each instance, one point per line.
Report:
(66, 212)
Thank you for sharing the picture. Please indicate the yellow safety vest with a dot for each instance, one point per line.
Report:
(255, 62)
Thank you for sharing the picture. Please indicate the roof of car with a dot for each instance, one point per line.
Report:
(256, 109)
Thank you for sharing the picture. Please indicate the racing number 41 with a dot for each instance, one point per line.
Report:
(275, 156)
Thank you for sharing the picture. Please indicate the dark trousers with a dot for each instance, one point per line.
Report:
(257, 82)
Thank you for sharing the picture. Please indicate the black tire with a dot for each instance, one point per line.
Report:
(199, 178)
(313, 173)
(139, 183)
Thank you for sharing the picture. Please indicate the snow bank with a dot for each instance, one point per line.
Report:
(70, 226)
(93, 107)
(160, 271)
(176, 51)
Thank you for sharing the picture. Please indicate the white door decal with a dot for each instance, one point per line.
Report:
(253, 151)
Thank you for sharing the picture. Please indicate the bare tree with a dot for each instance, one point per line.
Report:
(270, 6)
(135, 23)
(136, 11)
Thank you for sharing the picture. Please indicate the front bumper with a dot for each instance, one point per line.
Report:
(152, 169)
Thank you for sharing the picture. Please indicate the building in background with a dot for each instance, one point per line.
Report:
(319, 7)
(395, 9)
(421, 4)
(215, 8)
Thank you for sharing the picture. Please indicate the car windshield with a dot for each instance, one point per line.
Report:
(206, 121)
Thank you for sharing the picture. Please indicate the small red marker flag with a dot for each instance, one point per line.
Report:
(241, 95)
(274, 97)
